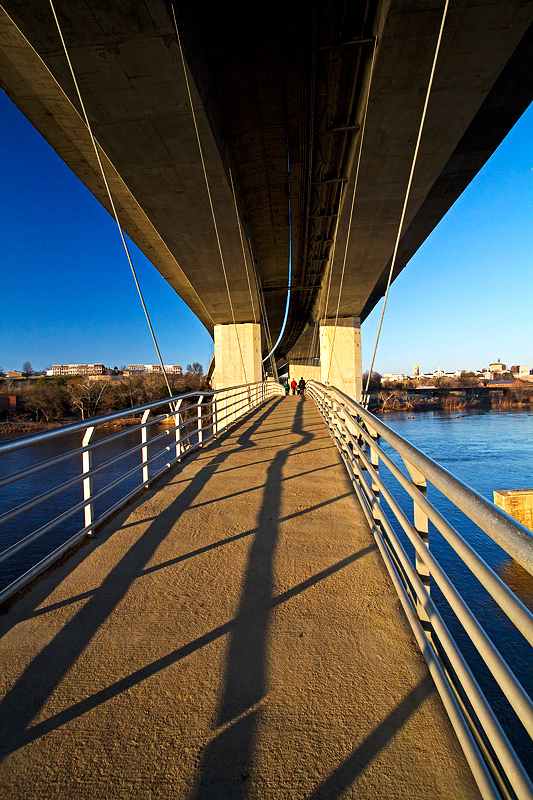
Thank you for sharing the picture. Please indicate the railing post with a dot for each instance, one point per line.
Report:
(87, 460)
(374, 460)
(421, 523)
(199, 418)
(177, 421)
(144, 451)
(215, 414)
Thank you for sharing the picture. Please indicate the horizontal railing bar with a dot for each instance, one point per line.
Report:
(470, 748)
(492, 727)
(37, 569)
(515, 538)
(82, 425)
(370, 497)
(32, 537)
(26, 541)
(48, 560)
(28, 576)
(506, 599)
(78, 479)
(52, 462)
(507, 681)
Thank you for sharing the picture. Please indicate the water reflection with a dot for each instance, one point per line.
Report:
(518, 580)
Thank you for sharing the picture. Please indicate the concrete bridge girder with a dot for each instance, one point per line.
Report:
(395, 108)
(254, 76)
(134, 90)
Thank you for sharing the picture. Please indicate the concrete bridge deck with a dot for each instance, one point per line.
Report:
(236, 636)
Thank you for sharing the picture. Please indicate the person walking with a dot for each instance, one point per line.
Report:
(293, 386)
(301, 386)
(286, 386)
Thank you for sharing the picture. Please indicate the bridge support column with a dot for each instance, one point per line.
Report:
(340, 355)
(237, 354)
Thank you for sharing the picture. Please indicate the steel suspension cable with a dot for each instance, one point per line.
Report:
(208, 188)
(350, 219)
(245, 259)
(110, 196)
(242, 244)
(407, 192)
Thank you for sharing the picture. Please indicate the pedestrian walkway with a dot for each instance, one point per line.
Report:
(232, 635)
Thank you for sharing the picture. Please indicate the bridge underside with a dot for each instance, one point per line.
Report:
(279, 93)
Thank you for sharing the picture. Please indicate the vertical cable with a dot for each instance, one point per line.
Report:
(110, 196)
(413, 164)
(356, 180)
(208, 191)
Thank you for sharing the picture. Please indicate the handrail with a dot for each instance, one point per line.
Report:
(197, 417)
(513, 537)
(357, 432)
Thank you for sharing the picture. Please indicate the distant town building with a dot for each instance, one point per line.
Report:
(416, 371)
(171, 369)
(77, 369)
(439, 373)
(13, 373)
(497, 366)
(519, 370)
(506, 383)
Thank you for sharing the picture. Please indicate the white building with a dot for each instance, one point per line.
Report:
(77, 369)
(171, 369)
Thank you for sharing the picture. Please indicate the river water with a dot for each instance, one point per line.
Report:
(488, 450)
(25, 490)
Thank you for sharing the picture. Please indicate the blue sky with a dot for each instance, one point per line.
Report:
(465, 299)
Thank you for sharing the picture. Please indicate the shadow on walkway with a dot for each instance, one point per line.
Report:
(228, 759)
(39, 680)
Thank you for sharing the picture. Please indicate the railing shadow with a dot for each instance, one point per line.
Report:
(41, 677)
(340, 780)
(227, 760)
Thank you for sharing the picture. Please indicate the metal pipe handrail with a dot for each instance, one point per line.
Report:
(82, 425)
(206, 415)
(513, 537)
(93, 445)
(356, 433)
(510, 686)
(513, 607)
(491, 725)
(39, 499)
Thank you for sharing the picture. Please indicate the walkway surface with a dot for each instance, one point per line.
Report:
(236, 637)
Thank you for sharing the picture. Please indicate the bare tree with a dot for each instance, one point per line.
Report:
(85, 395)
(375, 381)
(196, 369)
(27, 369)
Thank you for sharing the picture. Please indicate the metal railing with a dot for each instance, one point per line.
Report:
(357, 433)
(190, 422)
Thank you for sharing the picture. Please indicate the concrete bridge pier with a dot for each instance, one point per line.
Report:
(237, 354)
(340, 355)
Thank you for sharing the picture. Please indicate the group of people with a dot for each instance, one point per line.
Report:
(300, 386)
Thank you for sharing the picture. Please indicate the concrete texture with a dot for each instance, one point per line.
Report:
(518, 503)
(237, 355)
(234, 635)
(273, 85)
(340, 355)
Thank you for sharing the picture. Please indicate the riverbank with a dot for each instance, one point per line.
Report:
(402, 402)
(28, 426)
